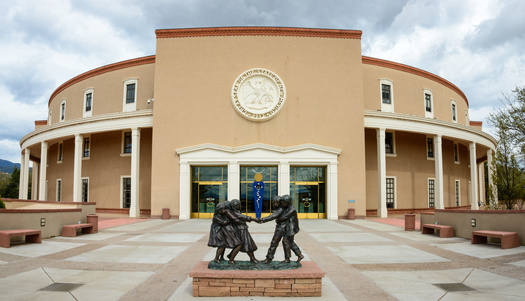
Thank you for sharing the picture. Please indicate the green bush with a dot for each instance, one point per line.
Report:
(2, 205)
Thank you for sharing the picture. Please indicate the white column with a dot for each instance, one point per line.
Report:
(134, 210)
(438, 158)
(381, 173)
(492, 187)
(185, 189)
(284, 178)
(21, 181)
(77, 170)
(473, 177)
(331, 206)
(43, 171)
(233, 180)
(25, 187)
(481, 183)
(34, 186)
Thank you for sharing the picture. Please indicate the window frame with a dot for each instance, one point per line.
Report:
(454, 110)
(123, 145)
(86, 112)
(428, 114)
(129, 107)
(455, 153)
(60, 152)
(122, 204)
(84, 157)
(394, 191)
(430, 151)
(58, 190)
(386, 107)
(394, 151)
(433, 203)
(87, 192)
(457, 190)
(63, 108)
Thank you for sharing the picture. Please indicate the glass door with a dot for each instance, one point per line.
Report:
(209, 188)
(308, 190)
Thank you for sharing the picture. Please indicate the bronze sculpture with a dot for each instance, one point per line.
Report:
(223, 233)
(247, 244)
(229, 230)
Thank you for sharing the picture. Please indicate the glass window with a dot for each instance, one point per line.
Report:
(86, 147)
(85, 190)
(63, 110)
(431, 193)
(60, 151)
(130, 93)
(386, 95)
(430, 147)
(457, 193)
(127, 143)
(126, 192)
(389, 142)
(428, 102)
(456, 153)
(390, 193)
(89, 97)
(59, 190)
(454, 112)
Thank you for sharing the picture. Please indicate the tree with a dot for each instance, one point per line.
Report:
(509, 126)
(4, 180)
(11, 191)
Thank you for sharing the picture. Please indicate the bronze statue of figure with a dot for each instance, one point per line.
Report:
(247, 244)
(223, 233)
(291, 227)
(277, 211)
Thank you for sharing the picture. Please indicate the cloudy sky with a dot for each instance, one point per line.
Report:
(477, 45)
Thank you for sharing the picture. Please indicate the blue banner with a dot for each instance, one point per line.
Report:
(258, 192)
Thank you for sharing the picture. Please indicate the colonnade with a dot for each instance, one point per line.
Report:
(39, 187)
(438, 159)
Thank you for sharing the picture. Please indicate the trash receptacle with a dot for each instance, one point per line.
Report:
(165, 213)
(351, 213)
(93, 219)
(410, 222)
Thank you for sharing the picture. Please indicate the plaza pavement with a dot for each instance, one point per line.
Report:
(149, 259)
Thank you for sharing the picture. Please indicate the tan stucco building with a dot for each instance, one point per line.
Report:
(193, 124)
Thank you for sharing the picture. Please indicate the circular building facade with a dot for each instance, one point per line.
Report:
(217, 109)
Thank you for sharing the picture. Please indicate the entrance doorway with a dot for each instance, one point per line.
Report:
(269, 177)
(308, 191)
(209, 188)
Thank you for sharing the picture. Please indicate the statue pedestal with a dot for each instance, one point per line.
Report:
(302, 282)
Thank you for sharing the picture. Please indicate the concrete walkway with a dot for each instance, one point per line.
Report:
(373, 259)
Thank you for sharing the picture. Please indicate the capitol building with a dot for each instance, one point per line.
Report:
(299, 109)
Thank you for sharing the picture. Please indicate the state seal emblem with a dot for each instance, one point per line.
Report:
(258, 94)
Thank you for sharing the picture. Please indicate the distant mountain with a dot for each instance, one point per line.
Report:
(7, 166)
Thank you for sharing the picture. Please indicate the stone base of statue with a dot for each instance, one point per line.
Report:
(247, 265)
(305, 281)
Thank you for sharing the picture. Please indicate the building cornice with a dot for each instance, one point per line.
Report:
(258, 31)
(99, 123)
(101, 70)
(412, 70)
(429, 126)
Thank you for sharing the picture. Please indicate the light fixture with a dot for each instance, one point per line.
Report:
(473, 222)
(42, 222)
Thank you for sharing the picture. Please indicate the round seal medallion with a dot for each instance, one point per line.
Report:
(258, 94)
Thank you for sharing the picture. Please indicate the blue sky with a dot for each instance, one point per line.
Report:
(477, 45)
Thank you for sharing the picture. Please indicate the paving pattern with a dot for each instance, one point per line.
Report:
(373, 259)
